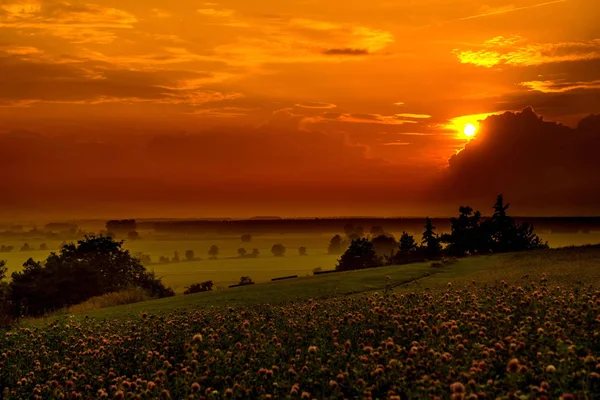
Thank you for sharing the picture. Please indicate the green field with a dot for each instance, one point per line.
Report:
(228, 269)
(522, 326)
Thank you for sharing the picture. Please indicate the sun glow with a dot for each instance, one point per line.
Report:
(469, 130)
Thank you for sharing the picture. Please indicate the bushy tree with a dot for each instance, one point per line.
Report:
(213, 252)
(335, 245)
(278, 250)
(93, 266)
(384, 245)
(176, 257)
(407, 244)
(246, 238)
(359, 255)
(430, 242)
(242, 252)
(190, 255)
(467, 235)
(43, 247)
(255, 253)
(302, 251)
(25, 247)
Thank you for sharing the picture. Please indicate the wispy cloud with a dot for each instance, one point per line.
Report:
(82, 23)
(559, 86)
(416, 116)
(511, 9)
(316, 105)
(507, 52)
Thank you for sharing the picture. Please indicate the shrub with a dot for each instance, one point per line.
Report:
(278, 250)
(205, 286)
(246, 280)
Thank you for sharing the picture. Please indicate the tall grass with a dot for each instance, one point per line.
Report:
(127, 296)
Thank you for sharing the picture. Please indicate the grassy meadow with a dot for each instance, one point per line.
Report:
(228, 268)
(510, 326)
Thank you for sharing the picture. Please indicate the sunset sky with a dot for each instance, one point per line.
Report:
(264, 107)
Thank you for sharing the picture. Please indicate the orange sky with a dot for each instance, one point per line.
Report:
(240, 107)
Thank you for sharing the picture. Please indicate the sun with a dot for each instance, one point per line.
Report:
(469, 130)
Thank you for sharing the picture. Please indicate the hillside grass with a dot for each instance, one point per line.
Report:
(568, 265)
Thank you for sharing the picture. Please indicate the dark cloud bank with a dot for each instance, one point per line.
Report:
(542, 167)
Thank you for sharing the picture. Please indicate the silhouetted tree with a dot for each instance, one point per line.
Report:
(25, 247)
(278, 250)
(384, 245)
(255, 253)
(176, 257)
(430, 242)
(242, 252)
(359, 255)
(190, 255)
(213, 252)
(43, 246)
(407, 244)
(467, 235)
(246, 238)
(302, 251)
(133, 235)
(335, 245)
(6, 249)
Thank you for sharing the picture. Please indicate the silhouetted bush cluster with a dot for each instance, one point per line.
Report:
(6, 249)
(92, 267)
(205, 286)
(470, 234)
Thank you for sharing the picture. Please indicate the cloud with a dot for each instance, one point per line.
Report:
(542, 165)
(500, 51)
(360, 119)
(415, 116)
(509, 9)
(346, 52)
(212, 12)
(316, 105)
(560, 86)
(78, 23)
(25, 80)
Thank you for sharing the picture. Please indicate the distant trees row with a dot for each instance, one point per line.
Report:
(25, 247)
(278, 250)
(470, 234)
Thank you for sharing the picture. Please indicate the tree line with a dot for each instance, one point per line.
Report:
(470, 234)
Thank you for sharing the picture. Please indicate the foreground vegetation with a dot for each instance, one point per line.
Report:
(521, 325)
